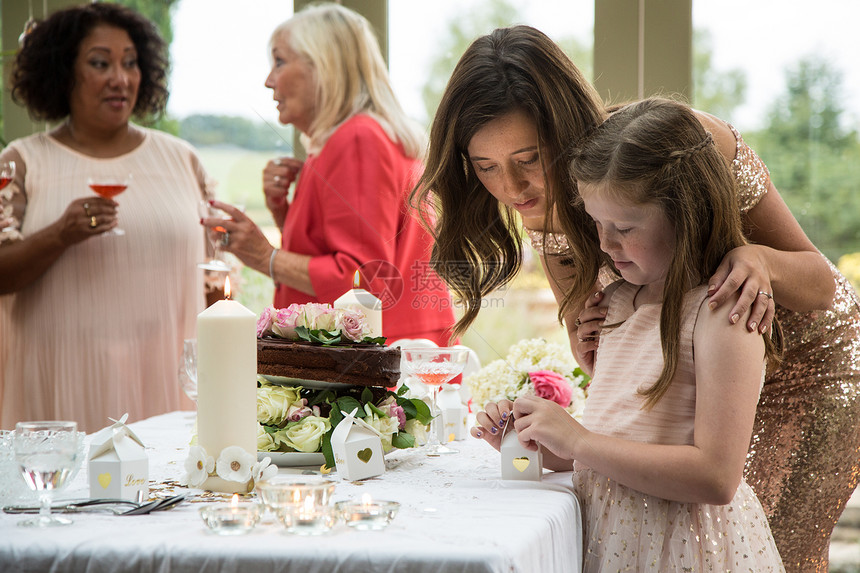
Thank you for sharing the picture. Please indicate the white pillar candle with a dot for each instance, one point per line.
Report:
(226, 383)
(364, 301)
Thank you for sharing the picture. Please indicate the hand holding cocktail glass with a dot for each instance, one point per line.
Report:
(107, 187)
(224, 224)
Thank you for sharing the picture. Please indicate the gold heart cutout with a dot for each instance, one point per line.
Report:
(521, 464)
(451, 437)
(365, 455)
(104, 480)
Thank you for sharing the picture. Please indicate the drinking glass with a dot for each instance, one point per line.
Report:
(215, 236)
(7, 173)
(434, 367)
(46, 454)
(109, 186)
(189, 363)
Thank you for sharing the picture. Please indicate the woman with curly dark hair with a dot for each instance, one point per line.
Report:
(92, 326)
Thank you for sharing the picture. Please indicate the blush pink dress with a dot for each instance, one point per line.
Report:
(627, 530)
(100, 333)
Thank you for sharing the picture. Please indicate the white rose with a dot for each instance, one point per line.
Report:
(418, 430)
(316, 316)
(386, 427)
(307, 434)
(265, 442)
(274, 402)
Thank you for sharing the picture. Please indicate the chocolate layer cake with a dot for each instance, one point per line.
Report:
(359, 365)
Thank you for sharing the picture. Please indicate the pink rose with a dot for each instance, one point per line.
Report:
(352, 324)
(317, 316)
(264, 323)
(552, 386)
(285, 321)
(394, 411)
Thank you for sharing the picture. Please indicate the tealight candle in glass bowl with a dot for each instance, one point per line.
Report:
(302, 503)
(231, 519)
(367, 514)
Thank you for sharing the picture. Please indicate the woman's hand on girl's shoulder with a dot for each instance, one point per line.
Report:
(743, 278)
(491, 421)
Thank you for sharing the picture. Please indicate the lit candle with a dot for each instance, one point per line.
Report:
(360, 299)
(367, 514)
(234, 519)
(226, 382)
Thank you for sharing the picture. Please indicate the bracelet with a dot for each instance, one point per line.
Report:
(272, 264)
(548, 243)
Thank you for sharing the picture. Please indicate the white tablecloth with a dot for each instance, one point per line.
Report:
(456, 515)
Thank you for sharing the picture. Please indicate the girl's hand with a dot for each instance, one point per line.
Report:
(588, 325)
(491, 421)
(76, 222)
(744, 270)
(541, 422)
(278, 175)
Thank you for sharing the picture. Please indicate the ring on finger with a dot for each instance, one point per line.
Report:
(86, 207)
(278, 178)
(577, 322)
(93, 222)
(767, 294)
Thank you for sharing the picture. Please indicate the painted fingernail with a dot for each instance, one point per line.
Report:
(504, 416)
(712, 305)
(501, 423)
(734, 318)
(493, 430)
(763, 329)
(752, 326)
(211, 201)
(479, 433)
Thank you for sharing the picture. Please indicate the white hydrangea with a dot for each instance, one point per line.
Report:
(508, 377)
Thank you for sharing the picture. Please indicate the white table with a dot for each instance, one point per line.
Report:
(456, 514)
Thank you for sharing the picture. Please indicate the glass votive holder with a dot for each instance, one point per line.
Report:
(284, 493)
(367, 515)
(230, 519)
(308, 519)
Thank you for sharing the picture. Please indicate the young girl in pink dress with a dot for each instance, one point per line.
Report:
(659, 457)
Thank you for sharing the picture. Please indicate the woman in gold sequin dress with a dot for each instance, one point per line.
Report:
(501, 138)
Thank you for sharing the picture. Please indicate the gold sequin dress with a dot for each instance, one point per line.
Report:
(804, 456)
(625, 529)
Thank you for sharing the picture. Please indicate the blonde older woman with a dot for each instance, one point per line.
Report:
(349, 209)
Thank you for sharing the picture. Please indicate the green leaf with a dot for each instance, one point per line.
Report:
(366, 395)
(402, 390)
(377, 411)
(325, 337)
(379, 340)
(402, 440)
(348, 404)
(302, 333)
(422, 411)
(326, 448)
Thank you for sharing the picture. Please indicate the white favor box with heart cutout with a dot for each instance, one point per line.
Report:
(517, 462)
(452, 425)
(357, 449)
(118, 466)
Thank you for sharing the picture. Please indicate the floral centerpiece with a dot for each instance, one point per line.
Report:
(298, 419)
(532, 366)
(318, 323)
